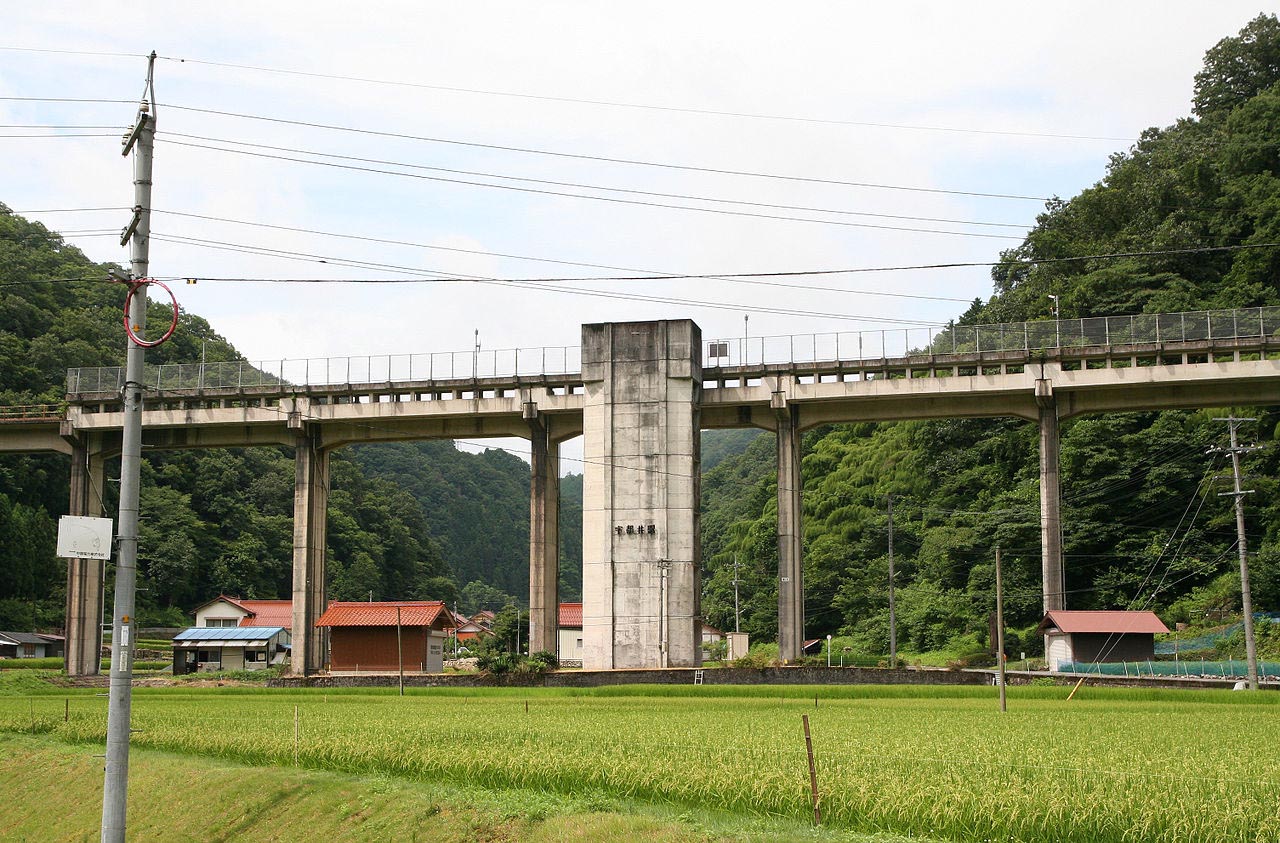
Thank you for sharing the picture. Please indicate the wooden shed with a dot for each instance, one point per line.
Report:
(1105, 636)
(363, 636)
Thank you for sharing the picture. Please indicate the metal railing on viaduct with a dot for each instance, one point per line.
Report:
(1054, 338)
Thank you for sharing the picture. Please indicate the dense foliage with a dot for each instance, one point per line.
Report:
(414, 521)
(1142, 525)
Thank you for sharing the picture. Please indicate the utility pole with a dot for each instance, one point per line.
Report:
(1000, 629)
(664, 565)
(140, 141)
(893, 620)
(1246, 596)
(736, 617)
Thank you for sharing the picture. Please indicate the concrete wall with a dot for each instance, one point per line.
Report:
(640, 514)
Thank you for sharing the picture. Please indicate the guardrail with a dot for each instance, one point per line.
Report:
(1025, 337)
(31, 412)
(329, 371)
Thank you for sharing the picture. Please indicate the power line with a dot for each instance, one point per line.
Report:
(68, 99)
(611, 199)
(793, 273)
(70, 210)
(580, 185)
(751, 278)
(55, 126)
(648, 106)
(74, 52)
(523, 284)
(63, 135)
(600, 158)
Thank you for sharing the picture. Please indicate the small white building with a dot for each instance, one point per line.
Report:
(569, 649)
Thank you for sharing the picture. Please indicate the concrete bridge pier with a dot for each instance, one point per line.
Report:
(1054, 578)
(85, 576)
(310, 512)
(790, 534)
(544, 533)
(641, 545)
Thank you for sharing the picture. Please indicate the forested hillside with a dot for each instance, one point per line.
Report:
(405, 521)
(1187, 218)
(1142, 523)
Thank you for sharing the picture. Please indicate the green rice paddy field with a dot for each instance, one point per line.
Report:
(940, 763)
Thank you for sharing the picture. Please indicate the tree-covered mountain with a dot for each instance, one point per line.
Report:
(405, 521)
(1142, 525)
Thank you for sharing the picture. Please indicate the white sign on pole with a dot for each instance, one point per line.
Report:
(81, 537)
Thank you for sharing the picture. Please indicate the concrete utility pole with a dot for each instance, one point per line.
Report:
(893, 620)
(1000, 629)
(736, 617)
(141, 141)
(664, 565)
(1246, 596)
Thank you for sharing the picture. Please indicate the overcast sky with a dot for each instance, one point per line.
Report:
(1006, 98)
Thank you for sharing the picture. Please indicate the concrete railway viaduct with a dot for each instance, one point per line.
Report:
(640, 393)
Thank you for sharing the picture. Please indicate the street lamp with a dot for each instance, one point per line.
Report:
(1055, 305)
(828, 649)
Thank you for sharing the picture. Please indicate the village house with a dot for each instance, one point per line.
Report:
(1091, 637)
(384, 637)
(202, 648)
(233, 633)
(224, 611)
(29, 645)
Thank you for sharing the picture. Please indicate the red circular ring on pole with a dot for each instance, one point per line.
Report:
(128, 300)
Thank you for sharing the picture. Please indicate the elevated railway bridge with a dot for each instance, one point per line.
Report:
(640, 393)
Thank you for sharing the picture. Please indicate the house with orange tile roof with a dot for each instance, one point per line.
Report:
(223, 611)
(384, 636)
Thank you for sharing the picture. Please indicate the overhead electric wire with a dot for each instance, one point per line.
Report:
(64, 135)
(652, 274)
(602, 158)
(54, 126)
(645, 106)
(476, 279)
(582, 186)
(72, 52)
(70, 210)
(610, 199)
(69, 99)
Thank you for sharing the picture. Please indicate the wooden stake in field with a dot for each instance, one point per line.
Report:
(1076, 688)
(296, 731)
(813, 773)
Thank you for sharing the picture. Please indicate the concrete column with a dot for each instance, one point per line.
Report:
(310, 512)
(790, 552)
(641, 545)
(1050, 501)
(544, 536)
(84, 576)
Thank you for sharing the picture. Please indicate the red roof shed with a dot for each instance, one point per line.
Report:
(363, 635)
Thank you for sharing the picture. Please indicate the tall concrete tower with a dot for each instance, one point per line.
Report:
(640, 510)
